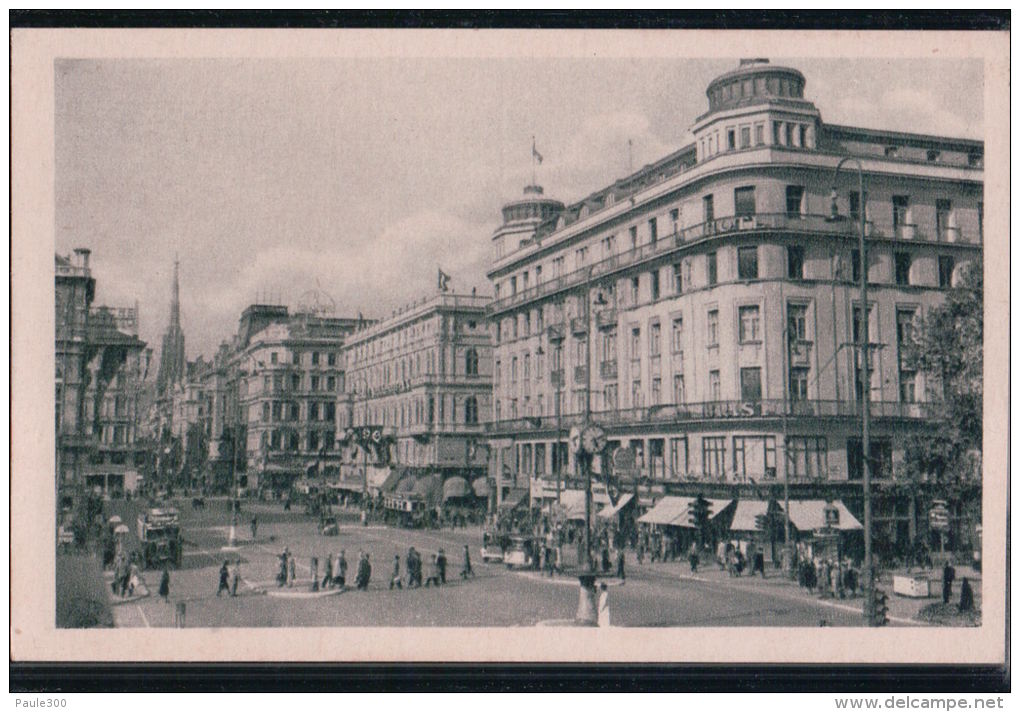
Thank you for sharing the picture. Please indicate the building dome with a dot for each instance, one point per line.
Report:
(754, 82)
(532, 207)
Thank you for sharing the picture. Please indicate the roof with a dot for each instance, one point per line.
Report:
(809, 514)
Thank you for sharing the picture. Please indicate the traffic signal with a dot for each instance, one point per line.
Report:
(761, 522)
(697, 514)
(879, 608)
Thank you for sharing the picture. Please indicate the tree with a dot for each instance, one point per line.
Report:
(946, 345)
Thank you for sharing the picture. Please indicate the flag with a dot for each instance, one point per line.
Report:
(444, 281)
(534, 151)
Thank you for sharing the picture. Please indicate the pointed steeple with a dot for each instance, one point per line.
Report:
(175, 298)
(171, 358)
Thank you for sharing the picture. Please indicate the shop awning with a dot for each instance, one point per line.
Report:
(481, 487)
(377, 477)
(666, 510)
(455, 487)
(392, 479)
(514, 498)
(809, 514)
(612, 510)
(748, 511)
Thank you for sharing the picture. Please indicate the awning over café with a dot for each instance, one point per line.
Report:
(809, 514)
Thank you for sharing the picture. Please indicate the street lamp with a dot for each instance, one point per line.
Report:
(865, 373)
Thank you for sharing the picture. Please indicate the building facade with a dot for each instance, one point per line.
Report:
(705, 309)
(425, 377)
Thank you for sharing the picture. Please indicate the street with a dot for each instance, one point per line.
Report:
(660, 594)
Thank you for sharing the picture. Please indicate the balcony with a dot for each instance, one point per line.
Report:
(608, 370)
(605, 318)
(580, 374)
(578, 325)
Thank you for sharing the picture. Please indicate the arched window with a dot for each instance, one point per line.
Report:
(471, 410)
(471, 362)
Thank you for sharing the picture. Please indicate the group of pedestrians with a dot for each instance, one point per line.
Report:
(230, 577)
(437, 568)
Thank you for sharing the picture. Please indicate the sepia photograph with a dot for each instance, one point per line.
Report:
(602, 335)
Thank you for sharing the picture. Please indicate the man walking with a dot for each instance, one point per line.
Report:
(395, 578)
(364, 572)
(327, 578)
(948, 576)
(441, 564)
(433, 577)
(467, 570)
(224, 580)
(341, 570)
(235, 579)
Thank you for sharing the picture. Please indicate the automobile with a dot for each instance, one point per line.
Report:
(159, 531)
(329, 527)
(492, 548)
(520, 551)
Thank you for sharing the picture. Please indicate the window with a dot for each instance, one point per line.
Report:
(313, 440)
(273, 357)
(880, 459)
(297, 358)
(610, 394)
(313, 411)
(747, 262)
(581, 256)
(524, 282)
(655, 285)
(265, 412)
(513, 371)
(295, 382)
(807, 457)
(904, 327)
(855, 261)
(794, 201)
(713, 327)
(708, 208)
(635, 344)
(679, 392)
(609, 346)
(294, 411)
(798, 384)
(902, 260)
(471, 362)
(331, 383)
(674, 217)
(633, 236)
(331, 359)
(803, 135)
(713, 456)
(795, 262)
(796, 320)
(900, 205)
(745, 136)
(635, 394)
(981, 220)
(315, 383)
(743, 201)
(855, 205)
(654, 339)
(471, 410)
(527, 368)
(789, 131)
(653, 230)
(731, 139)
(635, 285)
(907, 387)
(749, 326)
(759, 134)
(943, 208)
(857, 325)
(754, 456)
(776, 136)
(656, 391)
(946, 266)
(330, 411)
(750, 384)
(513, 285)
(678, 335)
(678, 456)
(712, 268)
(539, 365)
(609, 246)
(714, 388)
(315, 358)
(678, 279)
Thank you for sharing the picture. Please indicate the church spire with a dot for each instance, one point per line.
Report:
(175, 299)
(171, 358)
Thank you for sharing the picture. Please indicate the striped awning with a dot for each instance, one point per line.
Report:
(746, 516)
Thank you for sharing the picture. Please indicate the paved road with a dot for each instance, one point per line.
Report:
(653, 594)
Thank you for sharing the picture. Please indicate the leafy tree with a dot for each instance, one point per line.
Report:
(946, 345)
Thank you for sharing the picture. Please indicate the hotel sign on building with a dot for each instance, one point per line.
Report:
(705, 308)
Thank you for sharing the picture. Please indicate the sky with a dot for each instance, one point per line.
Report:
(360, 177)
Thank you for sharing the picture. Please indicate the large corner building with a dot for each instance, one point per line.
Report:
(695, 265)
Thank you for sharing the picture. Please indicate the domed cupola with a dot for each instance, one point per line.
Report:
(522, 218)
(758, 104)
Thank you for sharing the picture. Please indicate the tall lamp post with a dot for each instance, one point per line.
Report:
(865, 378)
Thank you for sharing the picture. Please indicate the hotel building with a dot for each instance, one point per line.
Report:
(675, 286)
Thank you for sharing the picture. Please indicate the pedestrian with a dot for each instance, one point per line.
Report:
(466, 569)
(441, 563)
(254, 527)
(291, 570)
(164, 584)
(236, 578)
(759, 562)
(327, 578)
(966, 596)
(640, 552)
(603, 614)
(395, 577)
(281, 577)
(224, 580)
(341, 570)
(134, 578)
(606, 566)
(620, 565)
(948, 576)
(314, 570)
(409, 562)
(364, 573)
(693, 557)
(433, 577)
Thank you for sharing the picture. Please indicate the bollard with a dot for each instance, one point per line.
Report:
(179, 614)
(315, 573)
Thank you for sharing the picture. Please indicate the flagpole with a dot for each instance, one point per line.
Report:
(533, 150)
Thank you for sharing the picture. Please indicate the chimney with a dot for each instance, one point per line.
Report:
(83, 256)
